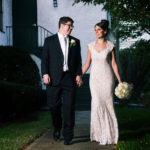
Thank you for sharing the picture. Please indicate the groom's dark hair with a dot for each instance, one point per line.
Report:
(64, 20)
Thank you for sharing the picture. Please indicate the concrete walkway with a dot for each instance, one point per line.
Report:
(81, 140)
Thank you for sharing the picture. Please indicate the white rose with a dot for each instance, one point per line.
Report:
(72, 42)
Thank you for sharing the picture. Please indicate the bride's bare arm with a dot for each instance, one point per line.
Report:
(87, 63)
(115, 67)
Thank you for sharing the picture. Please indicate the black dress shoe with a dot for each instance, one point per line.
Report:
(56, 135)
(67, 142)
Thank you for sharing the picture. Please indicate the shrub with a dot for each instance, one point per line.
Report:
(135, 66)
(19, 98)
(145, 98)
(17, 66)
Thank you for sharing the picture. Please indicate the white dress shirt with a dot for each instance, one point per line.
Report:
(62, 44)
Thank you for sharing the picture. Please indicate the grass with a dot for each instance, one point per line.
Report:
(17, 134)
(134, 128)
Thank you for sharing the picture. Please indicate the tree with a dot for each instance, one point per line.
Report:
(135, 66)
(129, 18)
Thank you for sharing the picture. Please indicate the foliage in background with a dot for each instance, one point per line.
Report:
(135, 64)
(17, 66)
(19, 99)
(129, 17)
(20, 83)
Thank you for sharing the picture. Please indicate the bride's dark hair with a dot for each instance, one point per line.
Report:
(104, 24)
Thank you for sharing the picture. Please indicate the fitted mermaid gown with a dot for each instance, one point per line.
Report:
(103, 126)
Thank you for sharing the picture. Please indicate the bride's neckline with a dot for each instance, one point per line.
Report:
(101, 50)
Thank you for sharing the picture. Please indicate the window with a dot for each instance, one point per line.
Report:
(1, 16)
(55, 4)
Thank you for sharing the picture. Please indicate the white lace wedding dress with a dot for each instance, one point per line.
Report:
(104, 127)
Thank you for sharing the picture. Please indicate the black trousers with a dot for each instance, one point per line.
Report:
(62, 97)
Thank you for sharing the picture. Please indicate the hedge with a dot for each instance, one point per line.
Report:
(19, 98)
(17, 66)
(135, 62)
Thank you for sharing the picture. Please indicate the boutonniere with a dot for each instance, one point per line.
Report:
(72, 42)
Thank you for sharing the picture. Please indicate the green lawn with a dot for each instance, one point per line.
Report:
(19, 133)
(134, 128)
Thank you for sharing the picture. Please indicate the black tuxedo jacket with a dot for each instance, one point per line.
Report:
(52, 59)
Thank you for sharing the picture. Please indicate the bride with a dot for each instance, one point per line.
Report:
(101, 55)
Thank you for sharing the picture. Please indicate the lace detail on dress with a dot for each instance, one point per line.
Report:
(104, 127)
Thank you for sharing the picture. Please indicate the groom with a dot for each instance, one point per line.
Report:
(61, 70)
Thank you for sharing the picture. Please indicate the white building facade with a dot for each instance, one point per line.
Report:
(84, 16)
(5, 20)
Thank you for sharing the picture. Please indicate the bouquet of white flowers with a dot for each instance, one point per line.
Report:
(123, 90)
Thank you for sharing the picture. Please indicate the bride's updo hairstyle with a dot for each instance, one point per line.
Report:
(104, 24)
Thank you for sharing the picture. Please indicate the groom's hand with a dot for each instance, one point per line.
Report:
(46, 79)
(79, 81)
